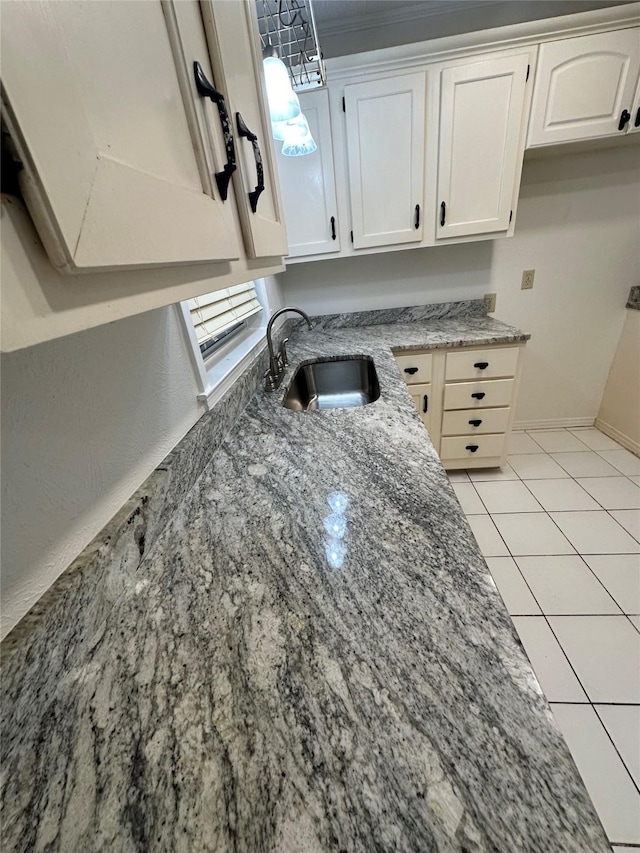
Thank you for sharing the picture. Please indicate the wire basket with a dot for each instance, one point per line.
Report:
(290, 27)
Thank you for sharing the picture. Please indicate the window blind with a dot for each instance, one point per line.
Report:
(214, 315)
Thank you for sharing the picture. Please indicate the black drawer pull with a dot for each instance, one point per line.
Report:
(479, 395)
(481, 365)
(443, 213)
(425, 403)
(475, 423)
(624, 118)
(207, 91)
(637, 121)
(411, 370)
(471, 447)
(333, 228)
(417, 216)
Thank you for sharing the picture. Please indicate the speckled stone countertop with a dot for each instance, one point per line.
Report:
(266, 686)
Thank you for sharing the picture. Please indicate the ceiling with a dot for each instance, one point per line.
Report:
(352, 26)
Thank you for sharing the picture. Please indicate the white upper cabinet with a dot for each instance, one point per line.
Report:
(234, 46)
(308, 185)
(385, 128)
(481, 144)
(114, 177)
(585, 88)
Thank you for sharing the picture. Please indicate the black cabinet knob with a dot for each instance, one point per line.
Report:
(471, 447)
(411, 370)
(624, 118)
(481, 365)
(475, 423)
(479, 395)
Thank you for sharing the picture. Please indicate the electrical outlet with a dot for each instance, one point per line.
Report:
(527, 279)
(490, 302)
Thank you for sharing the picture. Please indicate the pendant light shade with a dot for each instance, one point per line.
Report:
(298, 140)
(283, 101)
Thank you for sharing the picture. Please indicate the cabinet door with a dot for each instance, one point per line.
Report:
(234, 46)
(421, 396)
(112, 177)
(583, 85)
(308, 185)
(480, 148)
(385, 150)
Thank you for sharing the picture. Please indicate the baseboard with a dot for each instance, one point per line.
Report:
(618, 436)
(554, 423)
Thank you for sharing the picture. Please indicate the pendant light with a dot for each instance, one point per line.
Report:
(283, 101)
(298, 140)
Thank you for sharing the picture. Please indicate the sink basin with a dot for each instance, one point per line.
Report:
(333, 384)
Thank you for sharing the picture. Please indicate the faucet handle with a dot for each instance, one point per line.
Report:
(283, 352)
(269, 380)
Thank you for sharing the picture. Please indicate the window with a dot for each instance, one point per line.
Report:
(219, 315)
(225, 330)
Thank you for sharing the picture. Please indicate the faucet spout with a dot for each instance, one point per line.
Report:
(277, 364)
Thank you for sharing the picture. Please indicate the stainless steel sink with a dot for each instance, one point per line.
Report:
(333, 384)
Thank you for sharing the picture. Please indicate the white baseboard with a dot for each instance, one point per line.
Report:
(555, 423)
(618, 436)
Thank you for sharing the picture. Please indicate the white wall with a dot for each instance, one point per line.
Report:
(578, 226)
(85, 419)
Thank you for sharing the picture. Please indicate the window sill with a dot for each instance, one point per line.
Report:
(223, 371)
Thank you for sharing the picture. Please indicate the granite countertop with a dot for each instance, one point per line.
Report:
(261, 688)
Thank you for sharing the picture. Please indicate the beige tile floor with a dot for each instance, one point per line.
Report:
(559, 527)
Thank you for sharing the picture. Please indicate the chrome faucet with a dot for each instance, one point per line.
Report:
(278, 362)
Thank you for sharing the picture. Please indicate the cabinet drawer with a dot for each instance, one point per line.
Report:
(478, 395)
(472, 422)
(481, 364)
(415, 368)
(459, 447)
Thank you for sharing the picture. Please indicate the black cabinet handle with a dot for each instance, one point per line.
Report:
(425, 403)
(471, 447)
(481, 365)
(624, 118)
(244, 131)
(475, 423)
(637, 121)
(443, 212)
(333, 228)
(411, 370)
(207, 91)
(417, 216)
(479, 395)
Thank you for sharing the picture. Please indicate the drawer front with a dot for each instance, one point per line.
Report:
(478, 395)
(415, 368)
(472, 422)
(462, 446)
(481, 364)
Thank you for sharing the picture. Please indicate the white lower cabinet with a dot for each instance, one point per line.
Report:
(421, 396)
(468, 421)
